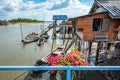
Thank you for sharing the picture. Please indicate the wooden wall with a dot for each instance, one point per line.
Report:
(86, 23)
(114, 23)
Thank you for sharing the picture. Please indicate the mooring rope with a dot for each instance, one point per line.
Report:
(20, 75)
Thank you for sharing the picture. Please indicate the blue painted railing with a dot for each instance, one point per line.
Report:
(67, 68)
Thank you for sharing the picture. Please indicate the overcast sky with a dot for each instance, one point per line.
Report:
(38, 9)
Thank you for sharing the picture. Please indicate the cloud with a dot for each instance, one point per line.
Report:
(10, 9)
(74, 9)
(60, 4)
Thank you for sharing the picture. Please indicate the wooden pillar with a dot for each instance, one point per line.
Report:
(21, 32)
(97, 53)
(79, 47)
(90, 45)
(64, 35)
(108, 46)
(75, 41)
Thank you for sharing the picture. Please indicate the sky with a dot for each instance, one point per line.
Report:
(43, 9)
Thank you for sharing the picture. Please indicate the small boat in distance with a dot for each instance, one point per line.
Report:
(31, 38)
(43, 38)
(41, 41)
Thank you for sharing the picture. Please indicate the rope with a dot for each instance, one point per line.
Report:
(20, 75)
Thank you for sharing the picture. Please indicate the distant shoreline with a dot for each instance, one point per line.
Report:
(18, 23)
(30, 22)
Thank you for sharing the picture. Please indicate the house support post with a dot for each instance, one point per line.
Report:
(97, 53)
(79, 47)
(89, 47)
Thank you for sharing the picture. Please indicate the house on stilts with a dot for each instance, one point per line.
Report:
(100, 25)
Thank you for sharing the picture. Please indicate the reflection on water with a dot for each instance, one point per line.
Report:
(14, 53)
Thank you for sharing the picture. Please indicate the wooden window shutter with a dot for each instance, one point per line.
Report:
(105, 25)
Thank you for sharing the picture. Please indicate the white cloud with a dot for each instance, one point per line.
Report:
(17, 8)
(75, 8)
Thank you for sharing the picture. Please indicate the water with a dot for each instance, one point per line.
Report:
(14, 53)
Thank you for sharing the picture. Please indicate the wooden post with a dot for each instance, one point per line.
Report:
(64, 35)
(97, 53)
(55, 29)
(54, 33)
(75, 41)
(79, 47)
(90, 45)
(21, 32)
(108, 46)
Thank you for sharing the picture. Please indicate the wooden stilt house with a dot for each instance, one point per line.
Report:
(101, 22)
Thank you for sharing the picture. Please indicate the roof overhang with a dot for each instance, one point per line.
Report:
(88, 15)
(109, 12)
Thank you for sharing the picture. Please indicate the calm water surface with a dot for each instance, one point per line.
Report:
(14, 53)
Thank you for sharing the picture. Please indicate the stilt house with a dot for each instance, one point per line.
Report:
(101, 22)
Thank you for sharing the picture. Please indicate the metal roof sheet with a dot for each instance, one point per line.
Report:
(112, 6)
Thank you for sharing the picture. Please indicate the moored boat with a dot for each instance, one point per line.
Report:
(40, 41)
(55, 52)
(31, 38)
(43, 38)
(40, 74)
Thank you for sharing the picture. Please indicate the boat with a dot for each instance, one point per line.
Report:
(41, 41)
(40, 74)
(55, 52)
(43, 38)
(31, 38)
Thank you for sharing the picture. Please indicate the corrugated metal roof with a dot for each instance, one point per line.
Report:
(112, 6)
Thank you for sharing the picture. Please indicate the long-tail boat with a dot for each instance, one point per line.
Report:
(31, 38)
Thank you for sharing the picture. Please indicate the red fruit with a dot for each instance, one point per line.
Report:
(80, 62)
(87, 63)
(76, 63)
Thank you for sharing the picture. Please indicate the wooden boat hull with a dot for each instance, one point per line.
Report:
(31, 38)
(29, 41)
(43, 62)
(56, 51)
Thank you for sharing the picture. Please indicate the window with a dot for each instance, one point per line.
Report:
(97, 24)
(100, 24)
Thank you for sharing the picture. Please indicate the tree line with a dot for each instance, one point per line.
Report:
(18, 20)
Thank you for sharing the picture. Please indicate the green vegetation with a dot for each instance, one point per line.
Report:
(24, 20)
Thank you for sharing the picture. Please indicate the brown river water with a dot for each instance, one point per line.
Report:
(14, 53)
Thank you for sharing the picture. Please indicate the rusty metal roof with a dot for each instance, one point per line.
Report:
(112, 6)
